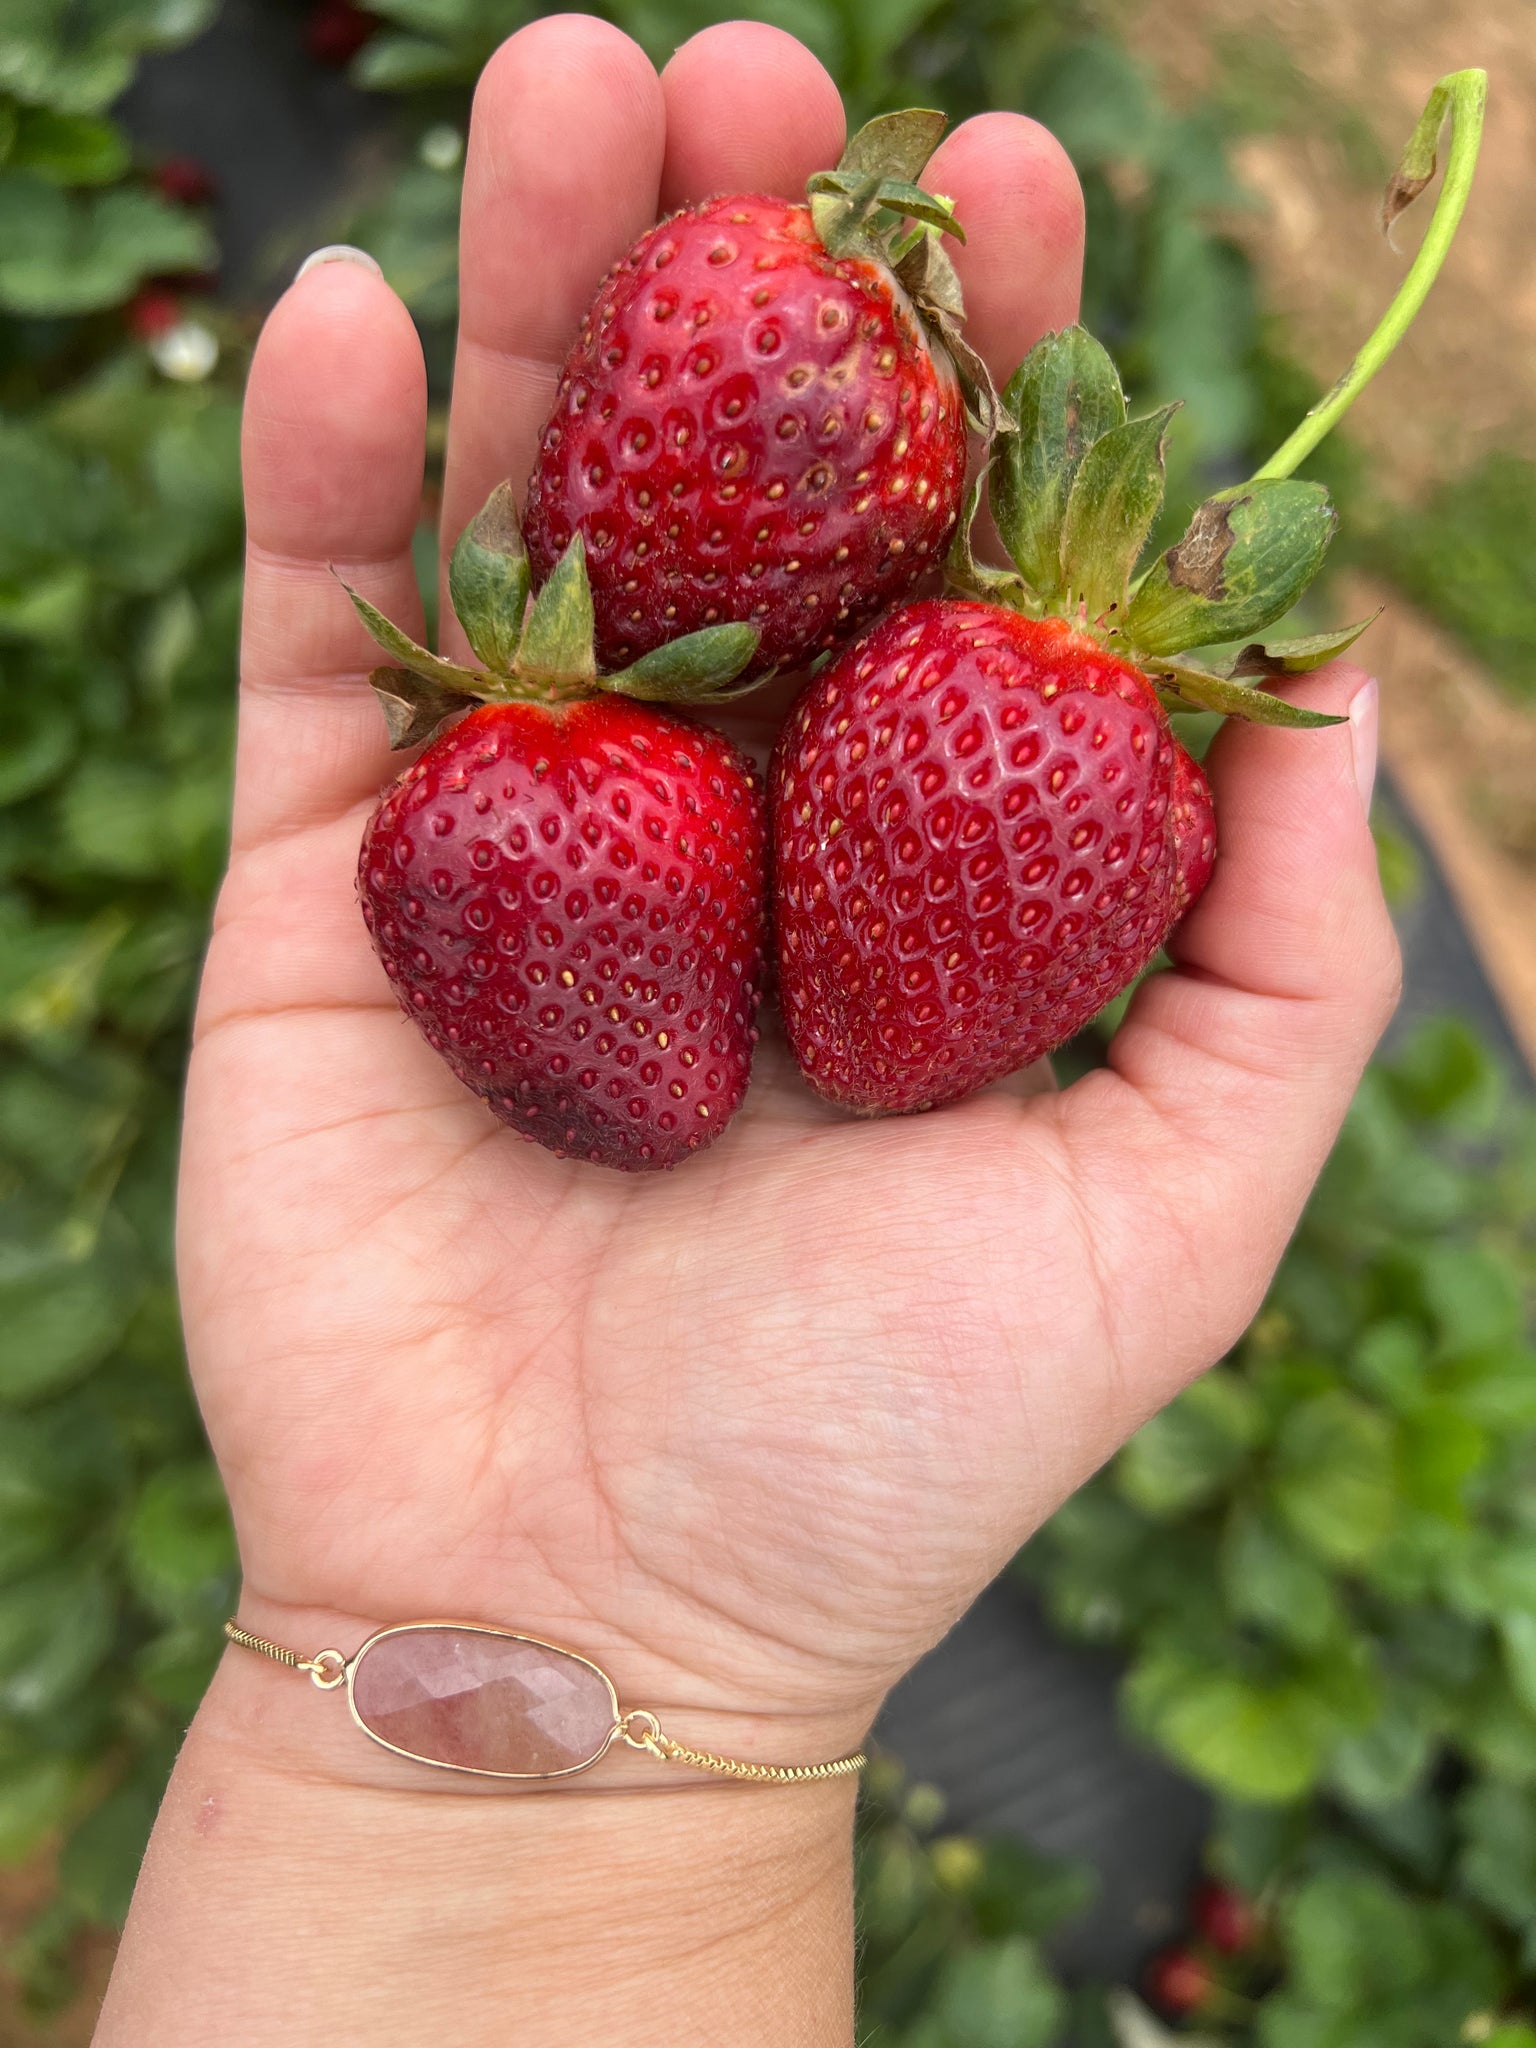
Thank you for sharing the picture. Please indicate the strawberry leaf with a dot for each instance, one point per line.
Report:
(1248, 555)
(413, 707)
(488, 580)
(697, 669)
(448, 675)
(895, 145)
(962, 571)
(1186, 686)
(1115, 496)
(1297, 657)
(1065, 395)
(556, 646)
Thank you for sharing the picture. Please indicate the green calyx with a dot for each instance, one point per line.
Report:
(533, 648)
(873, 207)
(1076, 489)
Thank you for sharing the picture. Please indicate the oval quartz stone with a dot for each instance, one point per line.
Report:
(483, 1702)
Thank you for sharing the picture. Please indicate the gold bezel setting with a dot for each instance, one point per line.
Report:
(349, 1672)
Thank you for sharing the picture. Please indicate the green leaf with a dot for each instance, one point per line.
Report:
(1387, 1762)
(36, 1795)
(1350, 1939)
(64, 252)
(79, 58)
(413, 707)
(997, 1996)
(1257, 1742)
(55, 1629)
(1247, 555)
(68, 149)
(1186, 1455)
(1188, 686)
(557, 634)
(1269, 1581)
(1334, 1477)
(697, 669)
(1064, 396)
(99, 1864)
(432, 668)
(1517, 1634)
(1498, 1861)
(488, 580)
(1300, 656)
(59, 1316)
(180, 1548)
(1115, 497)
(895, 145)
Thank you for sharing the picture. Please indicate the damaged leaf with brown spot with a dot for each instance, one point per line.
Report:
(1247, 556)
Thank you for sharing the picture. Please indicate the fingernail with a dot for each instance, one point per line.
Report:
(337, 252)
(1364, 719)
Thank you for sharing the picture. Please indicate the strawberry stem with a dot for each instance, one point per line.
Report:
(1462, 95)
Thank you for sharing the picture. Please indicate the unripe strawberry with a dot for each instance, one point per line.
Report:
(764, 416)
(566, 889)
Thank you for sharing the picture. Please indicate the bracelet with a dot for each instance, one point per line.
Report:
(464, 1697)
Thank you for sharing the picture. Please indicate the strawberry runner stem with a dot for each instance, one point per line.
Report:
(1461, 95)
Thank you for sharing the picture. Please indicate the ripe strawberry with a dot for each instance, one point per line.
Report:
(1178, 1983)
(764, 417)
(153, 310)
(1224, 1918)
(185, 181)
(978, 822)
(336, 30)
(984, 828)
(566, 889)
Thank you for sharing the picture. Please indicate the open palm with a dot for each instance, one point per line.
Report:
(751, 1433)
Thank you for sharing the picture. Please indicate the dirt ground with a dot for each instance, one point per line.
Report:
(1462, 383)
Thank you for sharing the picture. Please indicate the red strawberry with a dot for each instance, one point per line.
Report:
(153, 310)
(984, 828)
(977, 828)
(566, 889)
(763, 417)
(1178, 1982)
(569, 903)
(336, 30)
(1224, 1918)
(186, 182)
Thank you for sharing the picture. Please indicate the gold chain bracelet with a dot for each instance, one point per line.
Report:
(496, 1704)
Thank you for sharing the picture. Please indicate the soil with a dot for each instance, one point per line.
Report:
(1462, 384)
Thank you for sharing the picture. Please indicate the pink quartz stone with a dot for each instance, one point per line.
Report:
(484, 1702)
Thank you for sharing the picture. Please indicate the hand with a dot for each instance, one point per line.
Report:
(754, 1433)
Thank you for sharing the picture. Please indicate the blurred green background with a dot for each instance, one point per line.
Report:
(1319, 1566)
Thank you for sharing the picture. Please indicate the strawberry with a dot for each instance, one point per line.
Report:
(983, 825)
(336, 30)
(153, 310)
(185, 181)
(764, 416)
(566, 888)
(1224, 1917)
(983, 829)
(1178, 1983)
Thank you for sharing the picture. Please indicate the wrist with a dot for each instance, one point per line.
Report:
(647, 1918)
